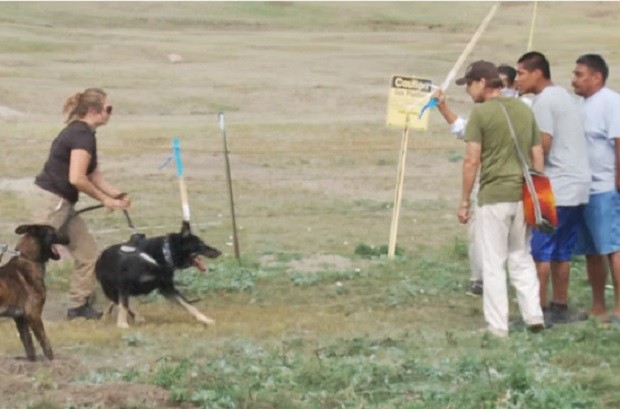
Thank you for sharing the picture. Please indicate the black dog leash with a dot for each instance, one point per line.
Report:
(134, 231)
(99, 206)
(129, 222)
(125, 212)
(87, 209)
(62, 228)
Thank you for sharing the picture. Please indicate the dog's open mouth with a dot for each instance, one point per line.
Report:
(198, 262)
(55, 252)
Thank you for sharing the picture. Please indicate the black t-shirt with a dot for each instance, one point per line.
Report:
(55, 174)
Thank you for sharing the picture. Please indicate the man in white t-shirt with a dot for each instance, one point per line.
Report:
(566, 164)
(599, 237)
(511, 88)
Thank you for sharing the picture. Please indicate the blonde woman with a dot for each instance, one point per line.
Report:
(72, 168)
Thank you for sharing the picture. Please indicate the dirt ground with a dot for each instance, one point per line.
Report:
(53, 381)
(304, 90)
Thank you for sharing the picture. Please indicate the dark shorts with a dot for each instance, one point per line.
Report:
(559, 245)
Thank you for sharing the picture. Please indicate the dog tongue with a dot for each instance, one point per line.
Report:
(199, 264)
(55, 250)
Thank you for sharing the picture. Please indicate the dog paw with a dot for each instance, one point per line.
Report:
(206, 320)
(122, 325)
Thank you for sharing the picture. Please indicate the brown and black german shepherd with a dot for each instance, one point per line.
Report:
(22, 284)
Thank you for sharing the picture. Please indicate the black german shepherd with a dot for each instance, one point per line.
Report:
(143, 265)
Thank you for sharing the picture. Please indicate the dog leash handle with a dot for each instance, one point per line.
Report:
(129, 222)
(126, 213)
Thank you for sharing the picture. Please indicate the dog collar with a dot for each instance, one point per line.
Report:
(168, 253)
(4, 248)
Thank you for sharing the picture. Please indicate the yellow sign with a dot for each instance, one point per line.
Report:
(407, 97)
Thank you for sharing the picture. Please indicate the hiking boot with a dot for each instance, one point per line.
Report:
(475, 288)
(83, 311)
(536, 328)
(560, 314)
(547, 317)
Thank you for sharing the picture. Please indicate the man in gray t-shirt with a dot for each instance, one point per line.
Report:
(566, 164)
(598, 237)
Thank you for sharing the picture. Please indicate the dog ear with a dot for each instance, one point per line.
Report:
(56, 236)
(61, 239)
(22, 229)
(186, 230)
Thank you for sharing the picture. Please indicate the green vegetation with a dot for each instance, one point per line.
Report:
(410, 365)
(406, 365)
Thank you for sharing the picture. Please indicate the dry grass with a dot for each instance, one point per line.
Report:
(304, 89)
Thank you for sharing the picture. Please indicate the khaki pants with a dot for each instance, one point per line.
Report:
(51, 209)
(475, 263)
(503, 240)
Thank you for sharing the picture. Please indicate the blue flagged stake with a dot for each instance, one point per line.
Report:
(432, 103)
(165, 162)
(176, 148)
(176, 154)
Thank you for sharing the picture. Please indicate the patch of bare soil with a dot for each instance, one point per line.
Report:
(321, 262)
(26, 383)
(317, 262)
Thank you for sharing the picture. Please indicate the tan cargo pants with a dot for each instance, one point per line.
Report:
(48, 208)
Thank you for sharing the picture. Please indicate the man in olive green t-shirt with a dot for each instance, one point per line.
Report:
(501, 233)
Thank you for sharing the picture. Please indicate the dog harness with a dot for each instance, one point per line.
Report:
(131, 249)
(167, 253)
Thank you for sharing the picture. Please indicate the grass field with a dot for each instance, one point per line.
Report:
(313, 315)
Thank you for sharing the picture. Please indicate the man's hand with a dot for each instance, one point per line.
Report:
(463, 214)
(441, 98)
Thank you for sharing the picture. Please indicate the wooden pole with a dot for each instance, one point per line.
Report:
(470, 46)
(457, 65)
(230, 191)
(530, 40)
(400, 178)
(176, 147)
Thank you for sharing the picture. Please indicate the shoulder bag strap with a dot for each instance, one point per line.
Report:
(526, 172)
